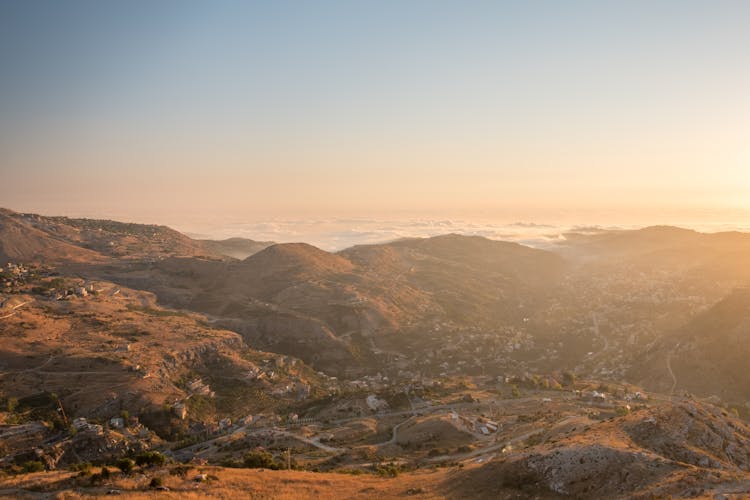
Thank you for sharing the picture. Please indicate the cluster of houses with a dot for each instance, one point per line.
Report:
(479, 425)
(129, 424)
(69, 293)
(472, 348)
(297, 387)
(200, 388)
(13, 276)
(376, 404)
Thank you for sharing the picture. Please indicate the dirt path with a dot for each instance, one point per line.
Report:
(14, 309)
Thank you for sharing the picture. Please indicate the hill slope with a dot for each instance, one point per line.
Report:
(707, 356)
(332, 309)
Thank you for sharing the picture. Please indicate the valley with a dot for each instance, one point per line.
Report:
(498, 369)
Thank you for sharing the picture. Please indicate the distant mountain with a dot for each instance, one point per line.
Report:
(237, 248)
(473, 279)
(664, 247)
(20, 241)
(30, 237)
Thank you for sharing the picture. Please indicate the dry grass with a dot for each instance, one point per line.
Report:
(231, 484)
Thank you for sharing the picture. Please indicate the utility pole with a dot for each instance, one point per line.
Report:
(288, 459)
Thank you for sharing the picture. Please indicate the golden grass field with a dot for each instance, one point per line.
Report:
(232, 484)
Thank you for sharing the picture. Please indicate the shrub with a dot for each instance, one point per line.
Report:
(83, 468)
(156, 482)
(125, 465)
(150, 458)
(11, 404)
(388, 470)
(33, 466)
(260, 460)
(97, 478)
(181, 470)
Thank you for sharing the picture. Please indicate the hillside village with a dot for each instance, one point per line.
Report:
(101, 366)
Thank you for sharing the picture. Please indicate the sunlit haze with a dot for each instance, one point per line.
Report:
(208, 114)
(372, 249)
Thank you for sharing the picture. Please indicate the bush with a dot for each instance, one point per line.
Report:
(97, 478)
(353, 472)
(125, 465)
(156, 482)
(388, 470)
(33, 466)
(150, 458)
(83, 468)
(260, 460)
(11, 405)
(181, 470)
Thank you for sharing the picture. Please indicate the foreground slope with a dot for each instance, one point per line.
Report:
(95, 350)
(684, 449)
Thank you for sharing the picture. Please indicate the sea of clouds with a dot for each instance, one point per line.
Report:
(338, 233)
(333, 234)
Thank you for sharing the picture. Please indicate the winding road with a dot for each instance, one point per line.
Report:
(669, 369)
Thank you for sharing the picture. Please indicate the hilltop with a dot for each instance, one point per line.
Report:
(237, 248)
(36, 238)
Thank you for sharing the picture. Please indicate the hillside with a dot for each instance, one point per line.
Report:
(707, 356)
(700, 256)
(333, 310)
(681, 450)
(20, 241)
(103, 350)
(467, 367)
(41, 239)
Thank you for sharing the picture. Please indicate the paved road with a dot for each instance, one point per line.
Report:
(671, 373)
(499, 446)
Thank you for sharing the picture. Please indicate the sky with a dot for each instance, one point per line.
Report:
(198, 113)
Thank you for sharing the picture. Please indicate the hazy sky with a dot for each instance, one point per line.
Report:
(165, 109)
